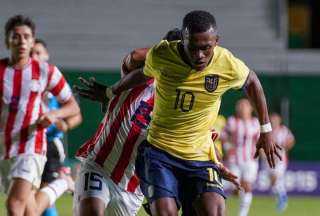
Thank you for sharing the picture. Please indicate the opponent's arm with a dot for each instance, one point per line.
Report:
(255, 94)
(97, 92)
(135, 59)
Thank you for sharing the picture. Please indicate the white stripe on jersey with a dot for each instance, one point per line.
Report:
(24, 136)
(124, 127)
(243, 136)
(281, 136)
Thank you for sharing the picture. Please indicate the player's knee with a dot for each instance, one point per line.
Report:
(210, 204)
(164, 207)
(247, 187)
(15, 205)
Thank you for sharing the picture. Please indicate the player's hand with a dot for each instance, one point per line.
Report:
(270, 149)
(92, 90)
(229, 176)
(47, 119)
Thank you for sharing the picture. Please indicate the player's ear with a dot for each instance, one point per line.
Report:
(184, 35)
(217, 39)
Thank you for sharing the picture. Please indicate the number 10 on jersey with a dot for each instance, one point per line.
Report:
(184, 100)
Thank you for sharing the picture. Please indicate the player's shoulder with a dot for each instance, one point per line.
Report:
(223, 57)
(164, 47)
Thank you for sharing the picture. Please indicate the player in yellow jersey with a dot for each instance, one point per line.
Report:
(218, 125)
(174, 163)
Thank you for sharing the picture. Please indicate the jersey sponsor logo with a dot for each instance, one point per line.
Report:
(142, 117)
(211, 82)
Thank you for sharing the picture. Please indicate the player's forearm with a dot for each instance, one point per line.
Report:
(129, 81)
(73, 121)
(68, 109)
(255, 94)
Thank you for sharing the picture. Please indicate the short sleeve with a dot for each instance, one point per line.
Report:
(57, 84)
(151, 69)
(240, 72)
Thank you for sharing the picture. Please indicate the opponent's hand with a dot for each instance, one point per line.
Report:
(269, 147)
(229, 176)
(92, 90)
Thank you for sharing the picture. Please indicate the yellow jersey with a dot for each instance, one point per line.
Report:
(188, 101)
(218, 125)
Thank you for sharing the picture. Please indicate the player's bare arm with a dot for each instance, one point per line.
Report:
(68, 109)
(134, 60)
(95, 91)
(255, 94)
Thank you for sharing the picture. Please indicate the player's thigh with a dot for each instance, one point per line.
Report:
(19, 192)
(123, 202)
(91, 206)
(157, 178)
(91, 189)
(249, 171)
(164, 206)
(235, 169)
(210, 203)
(25, 173)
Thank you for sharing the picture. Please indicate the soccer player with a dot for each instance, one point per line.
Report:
(24, 122)
(283, 137)
(241, 134)
(107, 181)
(191, 75)
(55, 150)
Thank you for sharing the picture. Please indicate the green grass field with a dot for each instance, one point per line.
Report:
(261, 206)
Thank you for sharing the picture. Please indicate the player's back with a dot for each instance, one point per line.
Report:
(113, 146)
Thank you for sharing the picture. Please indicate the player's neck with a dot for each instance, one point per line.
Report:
(183, 54)
(19, 62)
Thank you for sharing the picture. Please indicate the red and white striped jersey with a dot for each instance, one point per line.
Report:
(281, 136)
(243, 136)
(21, 93)
(114, 145)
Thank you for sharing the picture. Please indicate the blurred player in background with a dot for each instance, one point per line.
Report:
(55, 150)
(240, 137)
(174, 163)
(283, 137)
(23, 120)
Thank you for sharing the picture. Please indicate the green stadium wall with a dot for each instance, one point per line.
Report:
(302, 92)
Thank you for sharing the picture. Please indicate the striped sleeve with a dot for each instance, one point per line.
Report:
(57, 84)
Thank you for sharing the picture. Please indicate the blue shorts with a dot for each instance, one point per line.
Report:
(163, 175)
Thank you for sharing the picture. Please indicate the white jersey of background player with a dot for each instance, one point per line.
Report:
(240, 136)
(283, 137)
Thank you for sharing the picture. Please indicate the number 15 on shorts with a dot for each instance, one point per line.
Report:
(93, 181)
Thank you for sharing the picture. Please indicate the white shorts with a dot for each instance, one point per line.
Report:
(28, 167)
(246, 171)
(279, 169)
(91, 182)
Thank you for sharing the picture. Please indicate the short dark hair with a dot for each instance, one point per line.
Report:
(18, 20)
(173, 34)
(198, 21)
(42, 42)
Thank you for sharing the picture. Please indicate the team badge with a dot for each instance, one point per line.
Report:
(211, 82)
